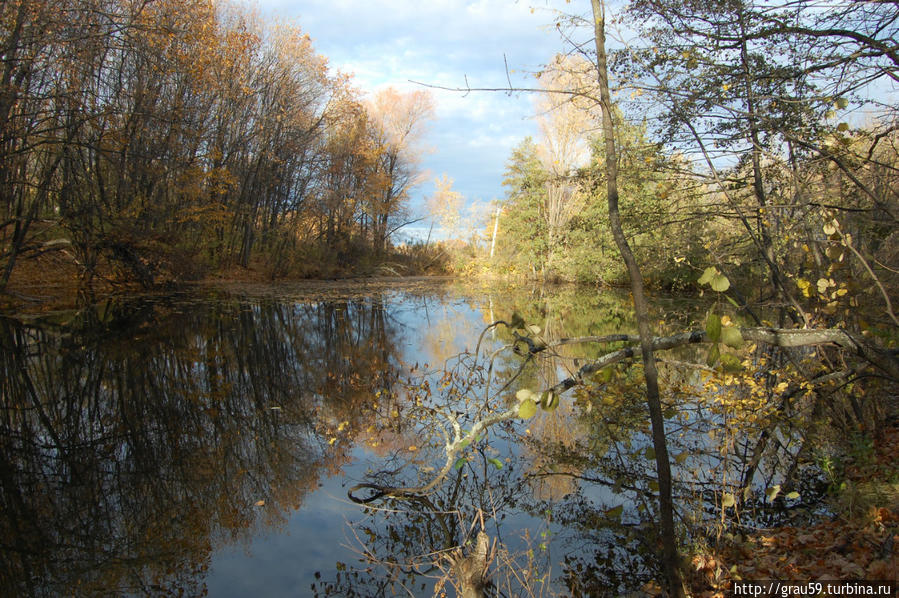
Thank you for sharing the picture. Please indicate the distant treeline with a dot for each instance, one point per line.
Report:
(160, 139)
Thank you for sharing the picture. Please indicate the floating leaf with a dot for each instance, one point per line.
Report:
(732, 337)
(527, 409)
(713, 327)
(793, 495)
(728, 500)
(719, 283)
(495, 462)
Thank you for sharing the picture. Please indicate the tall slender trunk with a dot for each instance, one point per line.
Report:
(670, 555)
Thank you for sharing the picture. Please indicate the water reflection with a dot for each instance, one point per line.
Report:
(127, 456)
(139, 439)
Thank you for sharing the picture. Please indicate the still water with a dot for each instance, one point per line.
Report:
(203, 443)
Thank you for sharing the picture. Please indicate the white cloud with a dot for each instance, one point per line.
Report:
(445, 43)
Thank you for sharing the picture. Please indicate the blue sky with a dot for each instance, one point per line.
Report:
(441, 42)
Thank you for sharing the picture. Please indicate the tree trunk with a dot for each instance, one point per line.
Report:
(670, 557)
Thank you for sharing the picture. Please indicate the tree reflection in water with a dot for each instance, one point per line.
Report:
(136, 440)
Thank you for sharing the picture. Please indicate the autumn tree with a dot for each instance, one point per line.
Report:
(563, 146)
(764, 93)
(445, 206)
(398, 125)
(160, 139)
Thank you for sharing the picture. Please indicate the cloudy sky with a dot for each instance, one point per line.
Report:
(442, 42)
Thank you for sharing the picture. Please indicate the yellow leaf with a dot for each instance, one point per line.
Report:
(527, 409)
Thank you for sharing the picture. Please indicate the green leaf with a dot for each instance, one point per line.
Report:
(728, 500)
(459, 463)
(731, 363)
(649, 453)
(842, 127)
(527, 409)
(549, 401)
(719, 283)
(732, 337)
(495, 462)
(681, 457)
(713, 327)
(707, 275)
(605, 374)
(615, 513)
(793, 495)
(714, 354)
(732, 302)
(841, 103)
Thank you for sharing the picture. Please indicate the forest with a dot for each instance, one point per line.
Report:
(157, 141)
(747, 151)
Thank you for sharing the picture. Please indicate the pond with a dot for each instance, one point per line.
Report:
(205, 442)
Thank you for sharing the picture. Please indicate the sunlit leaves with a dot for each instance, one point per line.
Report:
(719, 283)
(527, 408)
(715, 279)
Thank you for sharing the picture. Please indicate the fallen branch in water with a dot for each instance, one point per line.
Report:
(885, 361)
